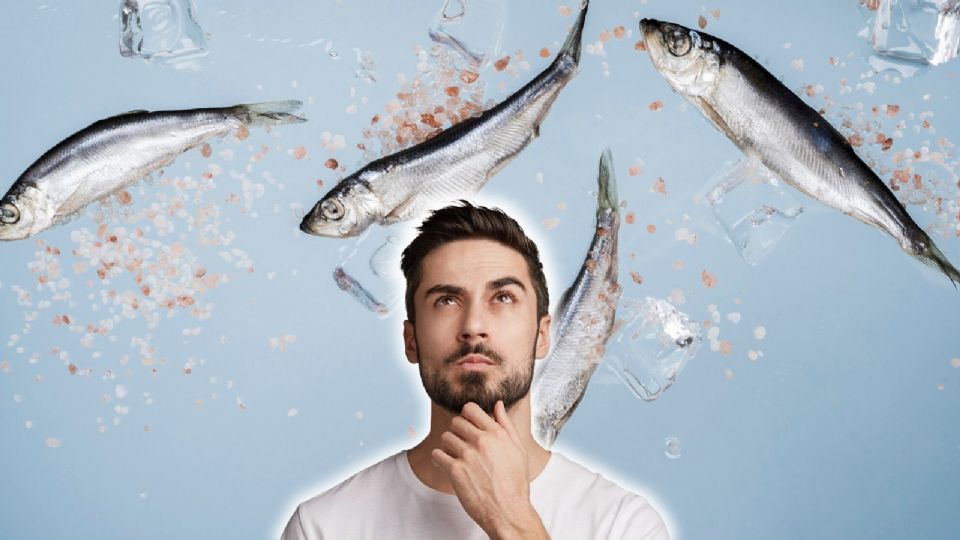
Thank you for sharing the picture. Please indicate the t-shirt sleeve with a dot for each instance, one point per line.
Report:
(294, 529)
(636, 519)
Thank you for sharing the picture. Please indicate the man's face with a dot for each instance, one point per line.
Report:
(476, 334)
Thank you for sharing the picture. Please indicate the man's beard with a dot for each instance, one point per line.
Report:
(511, 389)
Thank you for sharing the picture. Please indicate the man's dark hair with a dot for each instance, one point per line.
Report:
(467, 222)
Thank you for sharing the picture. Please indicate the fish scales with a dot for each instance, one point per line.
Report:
(584, 320)
(764, 119)
(156, 139)
(455, 163)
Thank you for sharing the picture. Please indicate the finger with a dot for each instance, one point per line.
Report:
(451, 444)
(441, 459)
(502, 418)
(472, 412)
(462, 428)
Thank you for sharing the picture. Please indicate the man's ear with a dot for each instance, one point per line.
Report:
(410, 342)
(543, 336)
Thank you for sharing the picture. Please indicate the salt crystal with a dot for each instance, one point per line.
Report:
(733, 317)
(120, 391)
(292, 412)
(677, 297)
(53, 443)
(759, 332)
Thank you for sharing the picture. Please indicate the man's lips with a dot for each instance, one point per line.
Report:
(474, 359)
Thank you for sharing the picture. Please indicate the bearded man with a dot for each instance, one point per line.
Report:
(477, 319)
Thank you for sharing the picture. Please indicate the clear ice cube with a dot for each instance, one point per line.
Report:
(378, 284)
(652, 347)
(366, 66)
(908, 33)
(164, 29)
(752, 207)
(351, 286)
(473, 31)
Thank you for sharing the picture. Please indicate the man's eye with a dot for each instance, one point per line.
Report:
(505, 298)
(445, 301)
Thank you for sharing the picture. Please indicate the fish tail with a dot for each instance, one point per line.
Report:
(607, 198)
(571, 47)
(271, 113)
(931, 255)
(545, 433)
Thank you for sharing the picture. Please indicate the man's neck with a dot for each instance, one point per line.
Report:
(428, 473)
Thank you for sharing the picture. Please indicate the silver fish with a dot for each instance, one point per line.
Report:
(113, 153)
(583, 322)
(455, 163)
(768, 121)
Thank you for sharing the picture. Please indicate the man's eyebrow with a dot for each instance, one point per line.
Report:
(504, 281)
(443, 289)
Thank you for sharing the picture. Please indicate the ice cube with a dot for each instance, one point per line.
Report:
(473, 31)
(164, 29)
(385, 261)
(671, 448)
(651, 349)
(366, 66)
(906, 34)
(755, 216)
(349, 284)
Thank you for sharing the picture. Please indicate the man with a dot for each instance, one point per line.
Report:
(477, 303)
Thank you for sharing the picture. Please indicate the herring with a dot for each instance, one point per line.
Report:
(455, 163)
(113, 153)
(768, 121)
(584, 320)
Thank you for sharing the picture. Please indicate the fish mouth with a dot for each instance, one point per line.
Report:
(306, 225)
(653, 36)
(649, 26)
(317, 226)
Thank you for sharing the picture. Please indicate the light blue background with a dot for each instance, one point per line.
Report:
(839, 431)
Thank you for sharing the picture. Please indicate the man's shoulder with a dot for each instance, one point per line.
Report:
(369, 482)
(579, 477)
(572, 487)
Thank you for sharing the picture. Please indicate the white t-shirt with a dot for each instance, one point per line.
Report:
(388, 501)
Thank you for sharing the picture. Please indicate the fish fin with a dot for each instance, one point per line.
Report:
(717, 120)
(571, 47)
(934, 258)
(400, 212)
(127, 113)
(271, 113)
(607, 183)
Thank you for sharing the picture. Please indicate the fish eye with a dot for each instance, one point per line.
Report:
(9, 214)
(332, 209)
(678, 42)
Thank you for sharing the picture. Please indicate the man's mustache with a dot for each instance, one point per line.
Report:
(478, 348)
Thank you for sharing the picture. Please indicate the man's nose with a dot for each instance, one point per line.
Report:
(474, 326)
